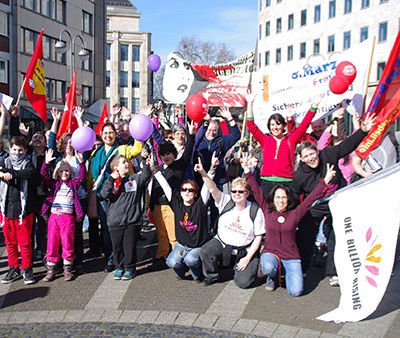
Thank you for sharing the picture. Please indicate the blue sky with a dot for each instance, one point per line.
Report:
(231, 21)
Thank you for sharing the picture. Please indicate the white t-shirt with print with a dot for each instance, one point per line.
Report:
(235, 227)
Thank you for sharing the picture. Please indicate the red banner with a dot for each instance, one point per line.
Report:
(68, 121)
(35, 81)
(385, 102)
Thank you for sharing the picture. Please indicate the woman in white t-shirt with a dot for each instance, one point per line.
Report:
(238, 237)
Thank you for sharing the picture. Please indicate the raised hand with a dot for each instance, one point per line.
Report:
(244, 162)
(330, 173)
(49, 156)
(192, 128)
(78, 112)
(317, 100)
(225, 112)
(148, 110)
(198, 167)
(79, 156)
(23, 129)
(214, 160)
(368, 122)
(56, 114)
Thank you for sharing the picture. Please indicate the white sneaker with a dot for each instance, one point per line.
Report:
(334, 281)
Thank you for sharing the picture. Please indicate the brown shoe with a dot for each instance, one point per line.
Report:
(68, 275)
(51, 274)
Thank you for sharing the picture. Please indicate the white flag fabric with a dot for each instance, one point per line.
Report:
(299, 82)
(366, 217)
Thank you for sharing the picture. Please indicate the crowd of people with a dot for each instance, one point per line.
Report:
(258, 220)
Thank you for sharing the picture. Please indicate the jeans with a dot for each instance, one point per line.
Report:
(182, 257)
(102, 208)
(291, 268)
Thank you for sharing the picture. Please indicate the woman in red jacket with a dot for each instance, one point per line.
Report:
(279, 148)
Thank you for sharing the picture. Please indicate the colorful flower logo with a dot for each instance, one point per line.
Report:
(373, 258)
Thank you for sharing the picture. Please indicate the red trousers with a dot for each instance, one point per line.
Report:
(18, 233)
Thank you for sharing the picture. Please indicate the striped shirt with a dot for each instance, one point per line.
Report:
(64, 201)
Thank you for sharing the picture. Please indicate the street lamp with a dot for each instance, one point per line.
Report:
(61, 48)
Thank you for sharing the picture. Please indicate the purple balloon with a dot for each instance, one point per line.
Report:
(140, 127)
(154, 62)
(83, 139)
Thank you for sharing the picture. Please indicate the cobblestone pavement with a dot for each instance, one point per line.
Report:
(156, 304)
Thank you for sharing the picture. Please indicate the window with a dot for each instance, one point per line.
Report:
(86, 96)
(303, 20)
(87, 22)
(267, 58)
(332, 8)
(135, 105)
(290, 22)
(54, 9)
(279, 25)
(124, 52)
(331, 43)
(29, 41)
(383, 1)
(383, 29)
(259, 31)
(290, 53)
(107, 24)
(346, 40)
(363, 33)
(268, 28)
(46, 47)
(87, 64)
(316, 48)
(259, 60)
(267, 3)
(303, 50)
(108, 51)
(3, 71)
(50, 90)
(278, 57)
(317, 13)
(108, 78)
(60, 12)
(123, 78)
(379, 70)
(46, 7)
(135, 79)
(3, 23)
(364, 4)
(278, 1)
(60, 91)
(348, 4)
(123, 102)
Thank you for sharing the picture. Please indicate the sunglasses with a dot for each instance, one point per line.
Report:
(188, 190)
(238, 191)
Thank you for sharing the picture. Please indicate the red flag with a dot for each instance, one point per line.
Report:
(385, 102)
(68, 121)
(35, 81)
(103, 119)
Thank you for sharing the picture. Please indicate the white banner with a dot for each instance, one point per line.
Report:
(299, 83)
(366, 217)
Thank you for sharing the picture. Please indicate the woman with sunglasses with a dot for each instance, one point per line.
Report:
(191, 228)
(280, 253)
(238, 237)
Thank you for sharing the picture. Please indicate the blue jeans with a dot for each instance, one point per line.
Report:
(291, 268)
(102, 209)
(182, 257)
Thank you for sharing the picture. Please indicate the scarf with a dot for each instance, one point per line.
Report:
(16, 162)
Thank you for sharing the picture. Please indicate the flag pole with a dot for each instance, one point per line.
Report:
(368, 72)
(20, 92)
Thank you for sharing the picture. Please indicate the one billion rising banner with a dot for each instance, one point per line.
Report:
(366, 218)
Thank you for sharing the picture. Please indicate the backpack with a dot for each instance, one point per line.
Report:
(229, 206)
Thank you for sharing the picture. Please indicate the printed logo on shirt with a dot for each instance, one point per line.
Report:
(130, 186)
(186, 224)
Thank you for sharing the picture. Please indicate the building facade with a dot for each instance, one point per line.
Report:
(79, 24)
(290, 31)
(5, 55)
(128, 79)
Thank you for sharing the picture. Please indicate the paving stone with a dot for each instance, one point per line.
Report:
(306, 333)
(74, 316)
(56, 316)
(37, 316)
(206, 320)
(166, 317)
(18, 317)
(245, 325)
(4, 316)
(148, 317)
(186, 318)
(92, 315)
(265, 329)
(225, 323)
(111, 315)
(128, 316)
(285, 331)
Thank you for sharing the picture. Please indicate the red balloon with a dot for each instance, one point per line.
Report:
(196, 107)
(346, 69)
(339, 84)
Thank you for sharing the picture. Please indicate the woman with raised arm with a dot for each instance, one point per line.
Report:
(279, 148)
(280, 254)
(239, 233)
